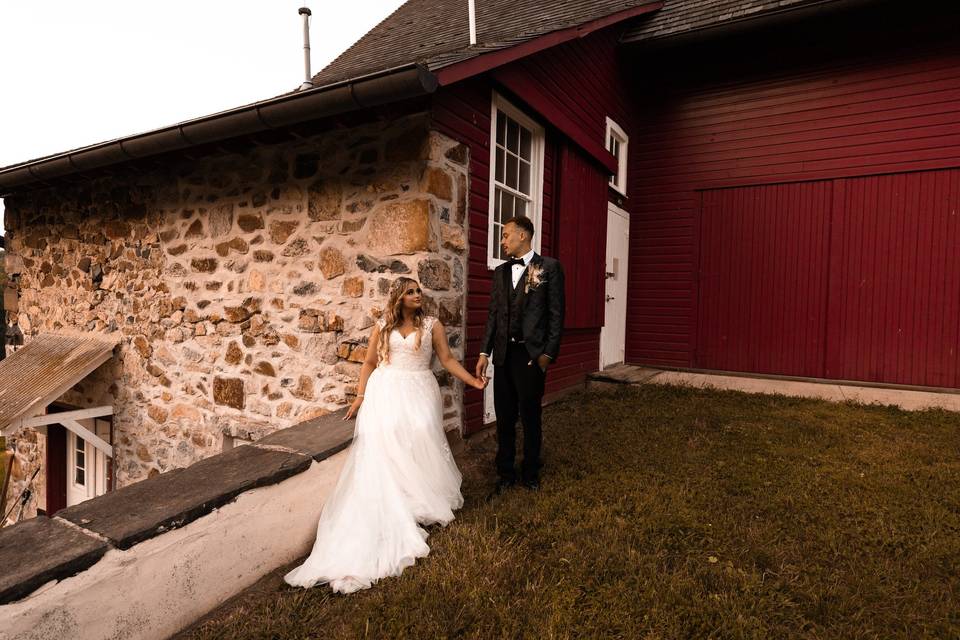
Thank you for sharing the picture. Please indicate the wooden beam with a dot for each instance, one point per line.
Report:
(57, 418)
(89, 436)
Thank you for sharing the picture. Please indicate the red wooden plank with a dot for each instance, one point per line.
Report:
(888, 301)
(843, 116)
(751, 317)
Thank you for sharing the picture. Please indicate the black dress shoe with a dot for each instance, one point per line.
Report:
(533, 484)
(502, 485)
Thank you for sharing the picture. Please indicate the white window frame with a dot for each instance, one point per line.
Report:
(618, 182)
(75, 442)
(537, 147)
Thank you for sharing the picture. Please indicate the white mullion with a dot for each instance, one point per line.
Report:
(516, 176)
(514, 192)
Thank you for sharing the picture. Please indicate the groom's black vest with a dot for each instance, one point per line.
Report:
(515, 309)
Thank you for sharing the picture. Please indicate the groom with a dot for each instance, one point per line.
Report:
(523, 331)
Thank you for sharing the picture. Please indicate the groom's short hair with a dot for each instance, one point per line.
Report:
(523, 222)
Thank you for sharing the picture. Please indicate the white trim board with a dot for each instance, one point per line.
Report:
(537, 156)
(58, 418)
(88, 435)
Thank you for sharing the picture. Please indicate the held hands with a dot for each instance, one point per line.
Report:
(480, 380)
(481, 369)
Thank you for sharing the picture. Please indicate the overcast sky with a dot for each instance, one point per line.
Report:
(77, 72)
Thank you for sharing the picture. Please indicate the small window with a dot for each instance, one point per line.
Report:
(617, 146)
(516, 173)
(80, 462)
(102, 428)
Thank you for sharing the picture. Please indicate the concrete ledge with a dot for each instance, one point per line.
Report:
(146, 509)
(907, 399)
(36, 552)
(319, 438)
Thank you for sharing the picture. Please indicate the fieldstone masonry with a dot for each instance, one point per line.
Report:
(244, 285)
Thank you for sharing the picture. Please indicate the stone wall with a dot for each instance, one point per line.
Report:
(244, 285)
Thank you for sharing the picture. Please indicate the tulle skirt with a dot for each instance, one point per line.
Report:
(399, 474)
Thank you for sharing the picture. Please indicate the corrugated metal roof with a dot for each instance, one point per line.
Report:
(46, 368)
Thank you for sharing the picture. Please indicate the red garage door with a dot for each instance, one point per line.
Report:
(853, 279)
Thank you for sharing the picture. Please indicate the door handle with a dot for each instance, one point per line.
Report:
(610, 274)
(609, 298)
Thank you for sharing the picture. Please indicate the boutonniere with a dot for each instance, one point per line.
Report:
(534, 277)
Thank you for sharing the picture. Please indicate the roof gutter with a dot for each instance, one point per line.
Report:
(391, 85)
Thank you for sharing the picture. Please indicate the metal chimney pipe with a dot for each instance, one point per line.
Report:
(472, 8)
(308, 78)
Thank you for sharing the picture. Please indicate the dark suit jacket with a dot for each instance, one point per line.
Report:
(542, 310)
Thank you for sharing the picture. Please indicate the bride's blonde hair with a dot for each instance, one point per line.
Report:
(393, 315)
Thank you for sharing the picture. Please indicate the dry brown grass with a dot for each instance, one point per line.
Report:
(676, 513)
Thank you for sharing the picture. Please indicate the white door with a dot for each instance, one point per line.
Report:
(87, 466)
(613, 333)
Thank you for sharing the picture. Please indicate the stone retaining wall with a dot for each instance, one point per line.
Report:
(244, 285)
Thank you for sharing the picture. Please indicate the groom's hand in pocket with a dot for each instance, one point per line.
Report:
(543, 361)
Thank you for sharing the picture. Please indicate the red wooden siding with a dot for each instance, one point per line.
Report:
(734, 119)
(763, 279)
(851, 279)
(581, 237)
(895, 280)
(584, 77)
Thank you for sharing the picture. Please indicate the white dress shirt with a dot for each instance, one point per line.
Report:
(518, 269)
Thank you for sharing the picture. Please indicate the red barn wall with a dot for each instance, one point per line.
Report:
(584, 78)
(721, 117)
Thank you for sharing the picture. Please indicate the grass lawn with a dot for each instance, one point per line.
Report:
(669, 512)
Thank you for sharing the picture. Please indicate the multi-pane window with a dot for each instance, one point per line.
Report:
(617, 146)
(516, 172)
(80, 462)
(102, 428)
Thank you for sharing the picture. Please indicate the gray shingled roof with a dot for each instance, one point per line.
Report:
(683, 16)
(436, 32)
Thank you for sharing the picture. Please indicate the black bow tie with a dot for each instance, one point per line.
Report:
(513, 261)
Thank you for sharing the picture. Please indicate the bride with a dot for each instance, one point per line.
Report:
(399, 472)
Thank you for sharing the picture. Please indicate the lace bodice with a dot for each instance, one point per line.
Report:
(403, 351)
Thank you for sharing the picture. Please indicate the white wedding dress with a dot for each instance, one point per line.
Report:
(399, 473)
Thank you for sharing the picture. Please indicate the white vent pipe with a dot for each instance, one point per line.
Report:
(307, 78)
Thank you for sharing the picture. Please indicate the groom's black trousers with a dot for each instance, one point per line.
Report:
(518, 392)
